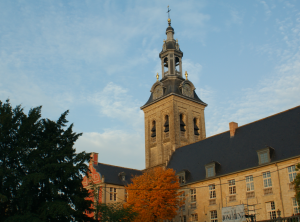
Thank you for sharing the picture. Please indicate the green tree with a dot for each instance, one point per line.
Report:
(40, 173)
(116, 212)
(112, 212)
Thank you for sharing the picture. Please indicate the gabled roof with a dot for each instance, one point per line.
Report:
(112, 174)
(280, 132)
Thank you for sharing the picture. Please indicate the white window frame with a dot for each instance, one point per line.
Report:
(182, 198)
(296, 209)
(213, 216)
(183, 218)
(264, 155)
(194, 217)
(271, 210)
(267, 179)
(113, 194)
(193, 195)
(232, 187)
(249, 183)
(292, 173)
(212, 191)
(210, 170)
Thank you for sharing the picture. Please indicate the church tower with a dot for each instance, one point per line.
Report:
(174, 114)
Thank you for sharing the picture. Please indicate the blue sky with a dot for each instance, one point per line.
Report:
(99, 60)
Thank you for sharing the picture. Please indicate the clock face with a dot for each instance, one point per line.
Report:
(187, 90)
(158, 92)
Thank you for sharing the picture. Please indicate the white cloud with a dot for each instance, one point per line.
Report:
(114, 102)
(267, 9)
(115, 147)
(193, 70)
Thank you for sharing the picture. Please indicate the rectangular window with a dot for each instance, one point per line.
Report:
(193, 195)
(267, 179)
(271, 212)
(292, 173)
(249, 183)
(210, 172)
(232, 188)
(213, 216)
(295, 206)
(113, 194)
(212, 191)
(182, 199)
(183, 218)
(264, 158)
(181, 179)
(194, 217)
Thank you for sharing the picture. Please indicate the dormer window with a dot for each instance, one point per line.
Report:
(182, 175)
(122, 176)
(182, 179)
(211, 169)
(264, 155)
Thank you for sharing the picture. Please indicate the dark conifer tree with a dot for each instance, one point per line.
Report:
(40, 173)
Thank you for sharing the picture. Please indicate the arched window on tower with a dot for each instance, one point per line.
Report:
(153, 132)
(182, 125)
(177, 65)
(196, 128)
(166, 126)
(166, 66)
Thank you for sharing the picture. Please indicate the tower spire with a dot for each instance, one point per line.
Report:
(169, 20)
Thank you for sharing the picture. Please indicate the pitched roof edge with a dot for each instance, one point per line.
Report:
(119, 166)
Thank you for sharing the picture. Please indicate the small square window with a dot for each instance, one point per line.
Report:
(210, 169)
(264, 155)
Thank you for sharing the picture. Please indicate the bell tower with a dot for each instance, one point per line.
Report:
(174, 114)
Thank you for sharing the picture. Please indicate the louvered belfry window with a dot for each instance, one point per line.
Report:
(153, 130)
(166, 125)
(196, 128)
(182, 124)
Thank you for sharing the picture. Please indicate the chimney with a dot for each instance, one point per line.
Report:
(232, 127)
(94, 158)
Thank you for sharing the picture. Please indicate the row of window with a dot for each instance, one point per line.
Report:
(267, 185)
(182, 126)
(270, 211)
(264, 156)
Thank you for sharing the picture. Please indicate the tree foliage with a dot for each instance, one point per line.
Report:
(154, 195)
(112, 212)
(116, 212)
(40, 173)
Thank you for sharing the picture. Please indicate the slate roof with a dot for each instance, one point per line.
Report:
(280, 131)
(171, 85)
(111, 173)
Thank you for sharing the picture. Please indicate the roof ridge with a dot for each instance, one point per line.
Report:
(118, 166)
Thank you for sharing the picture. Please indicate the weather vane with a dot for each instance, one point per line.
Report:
(168, 12)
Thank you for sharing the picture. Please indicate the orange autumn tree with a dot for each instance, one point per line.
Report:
(154, 195)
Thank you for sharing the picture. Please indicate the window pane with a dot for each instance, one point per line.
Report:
(210, 172)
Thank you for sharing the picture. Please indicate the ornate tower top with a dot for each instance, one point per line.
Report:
(172, 80)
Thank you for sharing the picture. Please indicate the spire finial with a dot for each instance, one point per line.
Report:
(157, 76)
(169, 20)
(186, 75)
